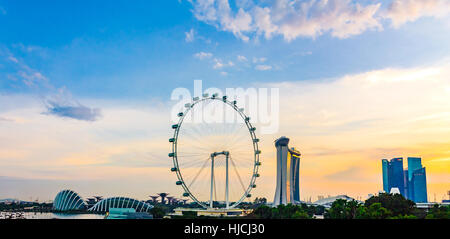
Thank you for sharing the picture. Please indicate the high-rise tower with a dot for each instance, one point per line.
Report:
(288, 173)
(411, 183)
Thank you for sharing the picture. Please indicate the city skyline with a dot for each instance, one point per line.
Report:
(85, 90)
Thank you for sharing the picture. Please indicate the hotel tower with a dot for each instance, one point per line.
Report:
(288, 172)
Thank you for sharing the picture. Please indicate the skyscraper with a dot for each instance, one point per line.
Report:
(411, 183)
(417, 180)
(288, 173)
(385, 165)
(419, 186)
(396, 175)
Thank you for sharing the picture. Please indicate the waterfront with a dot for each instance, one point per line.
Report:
(48, 215)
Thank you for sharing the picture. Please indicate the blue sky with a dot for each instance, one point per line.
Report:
(84, 87)
(138, 50)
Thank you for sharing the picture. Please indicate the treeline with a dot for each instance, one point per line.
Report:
(383, 206)
(26, 207)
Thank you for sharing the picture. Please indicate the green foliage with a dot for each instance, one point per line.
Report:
(403, 217)
(395, 203)
(439, 212)
(343, 209)
(289, 211)
(158, 212)
(374, 211)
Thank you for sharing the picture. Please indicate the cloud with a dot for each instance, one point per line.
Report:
(5, 119)
(259, 60)
(63, 105)
(219, 64)
(13, 59)
(57, 101)
(241, 58)
(78, 112)
(311, 18)
(203, 55)
(403, 11)
(2, 11)
(349, 174)
(190, 36)
(263, 67)
(290, 19)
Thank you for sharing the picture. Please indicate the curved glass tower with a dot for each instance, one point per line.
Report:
(288, 173)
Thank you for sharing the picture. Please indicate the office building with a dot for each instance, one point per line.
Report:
(411, 183)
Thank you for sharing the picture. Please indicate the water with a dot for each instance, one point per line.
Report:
(49, 215)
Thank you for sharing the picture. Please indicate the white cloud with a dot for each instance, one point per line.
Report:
(311, 18)
(58, 101)
(190, 36)
(259, 60)
(242, 58)
(203, 55)
(291, 19)
(13, 59)
(263, 67)
(403, 11)
(219, 64)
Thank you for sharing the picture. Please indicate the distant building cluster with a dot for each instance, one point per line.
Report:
(411, 183)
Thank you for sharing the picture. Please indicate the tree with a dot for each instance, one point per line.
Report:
(289, 211)
(343, 209)
(395, 203)
(439, 212)
(262, 211)
(374, 211)
(157, 212)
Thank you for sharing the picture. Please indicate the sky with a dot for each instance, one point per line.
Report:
(85, 89)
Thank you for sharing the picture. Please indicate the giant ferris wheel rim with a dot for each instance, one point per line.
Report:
(251, 130)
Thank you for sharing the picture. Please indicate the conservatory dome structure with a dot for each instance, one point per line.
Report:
(120, 202)
(68, 200)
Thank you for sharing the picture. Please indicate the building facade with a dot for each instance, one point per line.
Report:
(411, 183)
(288, 173)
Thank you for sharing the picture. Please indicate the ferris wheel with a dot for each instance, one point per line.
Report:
(215, 152)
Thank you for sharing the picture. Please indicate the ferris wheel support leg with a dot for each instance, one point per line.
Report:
(212, 182)
(226, 184)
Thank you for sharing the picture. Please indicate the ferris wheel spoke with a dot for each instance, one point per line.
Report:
(199, 172)
(237, 173)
